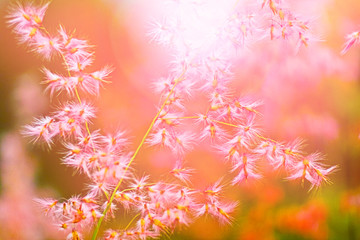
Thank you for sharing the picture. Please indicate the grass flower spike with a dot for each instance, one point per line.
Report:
(207, 40)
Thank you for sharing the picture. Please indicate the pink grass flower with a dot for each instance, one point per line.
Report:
(272, 4)
(26, 20)
(116, 142)
(47, 204)
(74, 235)
(352, 39)
(98, 187)
(288, 155)
(102, 75)
(223, 211)
(168, 120)
(218, 210)
(233, 147)
(249, 131)
(181, 173)
(74, 48)
(213, 132)
(45, 46)
(161, 137)
(57, 83)
(214, 191)
(80, 64)
(28, 14)
(41, 128)
(248, 104)
(176, 217)
(163, 32)
(140, 183)
(112, 235)
(271, 150)
(89, 141)
(312, 170)
(245, 164)
(183, 142)
(76, 112)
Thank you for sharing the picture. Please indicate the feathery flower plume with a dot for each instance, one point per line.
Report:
(206, 43)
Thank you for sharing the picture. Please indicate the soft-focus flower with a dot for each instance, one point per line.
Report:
(352, 39)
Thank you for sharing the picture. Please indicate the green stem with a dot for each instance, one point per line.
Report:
(97, 228)
(132, 220)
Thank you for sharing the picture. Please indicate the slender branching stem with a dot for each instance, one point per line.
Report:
(98, 225)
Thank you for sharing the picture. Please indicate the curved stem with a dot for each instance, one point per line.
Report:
(132, 220)
(97, 228)
(224, 123)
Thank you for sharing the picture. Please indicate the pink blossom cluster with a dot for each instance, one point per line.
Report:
(27, 23)
(230, 124)
(211, 65)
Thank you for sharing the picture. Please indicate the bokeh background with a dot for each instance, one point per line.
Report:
(317, 97)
